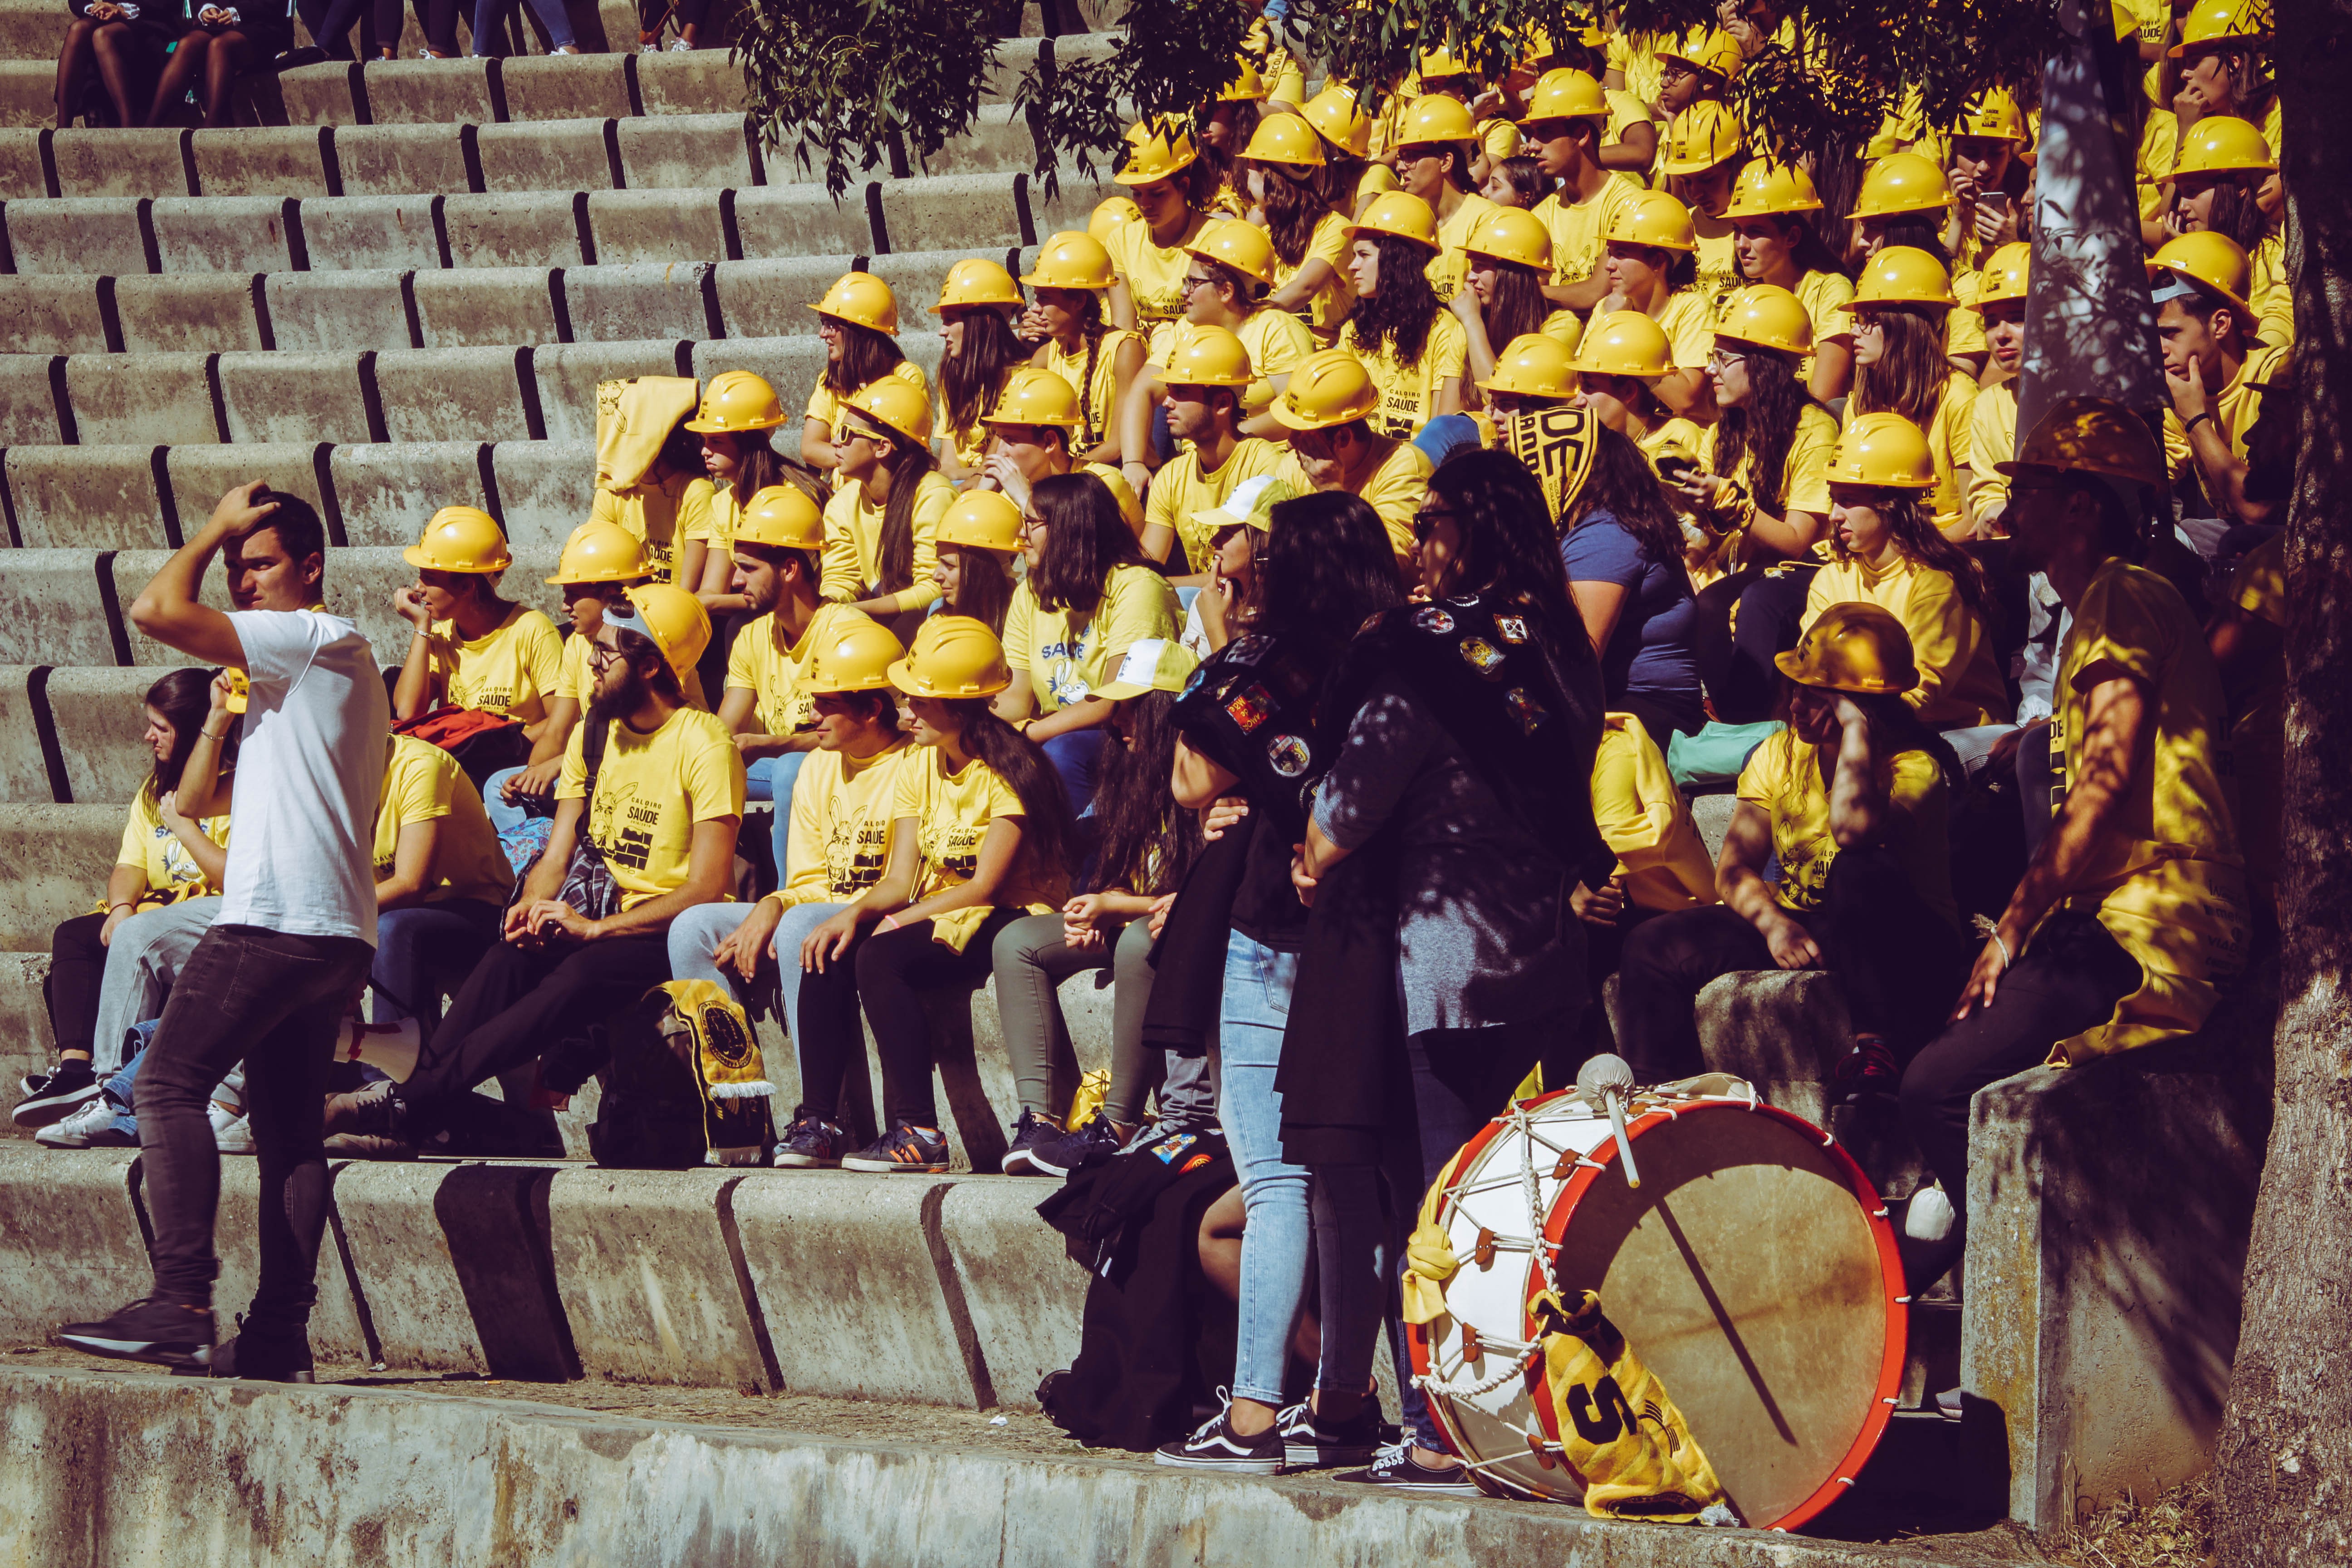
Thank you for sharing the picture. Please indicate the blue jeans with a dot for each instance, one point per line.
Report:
(1076, 757)
(1273, 1237)
(506, 816)
(695, 935)
(423, 953)
(771, 778)
(1446, 434)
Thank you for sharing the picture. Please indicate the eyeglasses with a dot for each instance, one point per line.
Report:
(600, 655)
(1724, 359)
(1190, 283)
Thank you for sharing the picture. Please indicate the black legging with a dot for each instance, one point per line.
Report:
(331, 23)
(893, 967)
(76, 967)
(1736, 661)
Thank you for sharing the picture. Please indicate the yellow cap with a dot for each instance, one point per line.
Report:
(855, 656)
(1532, 365)
(1111, 215)
(1033, 395)
(1154, 664)
(1700, 137)
(1247, 86)
(1208, 356)
(1653, 218)
(1435, 118)
(1992, 114)
(2005, 275)
(1708, 50)
(737, 400)
(953, 656)
(1902, 182)
(1340, 119)
(862, 298)
(1326, 389)
(674, 618)
(2218, 24)
(1566, 94)
(1442, 63)
(2214, 264)
(1884, 451)
(1767, 316)
(976, 280)
(1164, 154)
(1623, 343)
(2222, 144)
(1071, 259)
(2092, 435)
(601, 553)
(1230, 242)
(1285, 139)
(1902, 275)
(782, 516)
(898, 404)
(1853, 647)
(1400, 213)
(1766, 189)
(1509, 234)
(460, 539)
(985, 520)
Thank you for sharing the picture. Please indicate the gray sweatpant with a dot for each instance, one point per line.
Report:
(1031, 961)
(142, 960)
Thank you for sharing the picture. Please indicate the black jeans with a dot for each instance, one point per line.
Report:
(1736, 659)
(77, 968)
(1899, 964)
(892, 965)
(273, 1000)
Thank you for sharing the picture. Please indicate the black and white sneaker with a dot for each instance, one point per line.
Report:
(1395, 1468)
(906, 1151)
(1090, 1145)
(161, 1333)
(810, 1143)
(1308, 1445)
(1032, 1132)
(56, 1094)
(1217, 1447)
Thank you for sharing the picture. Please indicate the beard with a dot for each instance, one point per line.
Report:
(624, 697)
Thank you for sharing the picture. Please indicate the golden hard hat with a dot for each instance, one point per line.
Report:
(1071, 259)
(1853, 647)
(953, 656)
(460, 539)
(1708, 50)
(1565, 94)
(1766, 189)
(1700, 137)
(737, 400)
(2218, 24)
(1230, 242)
(1285, 139)
(1207, 356)
(1623, 343)
(899, 404)
(1400, 213)
(1435, 118)
(1767, 316)
(984, 519)
(674, 618)
(2005, 275)
(1111, 214)
(1902, 182)
(1511, 234)
(855, 656)
(1163, 155)
(976, 280)
(1992, 114)
(1442, 63)
(2222, 144)
(1654, 218)
(1035, 396)
(1884, 451)
(2214, 264)
(1326, 389)
(862, 298)
(782, 516)
(2092, 435)
(1902, 275)
(1533, 365)
(1340, 119)
(1247, 86)
(601, 553)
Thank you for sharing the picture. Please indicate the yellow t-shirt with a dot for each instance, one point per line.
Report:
(2159, 149)
(1098, 393)
(1948, 442)
(1409, 394)
(2273, 295)
(1181, 489)
(775, 674)
(838, 836)
(1329, 244)
(157, 850)
(1563, 327)
(1393, 491)
(716, 527)
(1992, 438)
(422, 783)
(2166, 882)
(953, 813)
(1824, 296)
(852, 563)
(1719, 265)
(1576, 228)
(1451, 265)
(1784, 777)
(1625, 110)
(1068, 653)
(1154, 274)
(2235, 409)
(825, 404)
(512, 670)
(967, 442)
(1675, 436)
(1377, 180)
(1963, 328)
(1499, 138)
(1688, 321)
(2258, 729)
(1960, 677)
(662, 516)
(651, 791)
(1645, 821)
(1634, 57)
(1804, 483)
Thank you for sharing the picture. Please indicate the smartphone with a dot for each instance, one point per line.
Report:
(1675, 468)
(1994, 201)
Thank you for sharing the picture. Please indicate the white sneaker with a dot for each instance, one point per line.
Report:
(680, 47)
(231, 1134)
(89, 1126)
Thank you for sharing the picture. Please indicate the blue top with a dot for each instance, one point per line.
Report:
(1653, 650)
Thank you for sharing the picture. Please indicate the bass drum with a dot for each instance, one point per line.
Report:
(1753, 1270)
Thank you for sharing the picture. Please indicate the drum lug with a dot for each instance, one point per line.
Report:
(1561, 1171)
(1473, 1347)
(1542, 1451)
(1485, 1252)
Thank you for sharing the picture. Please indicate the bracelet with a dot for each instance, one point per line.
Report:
(2195, 420)
(2006, 962)
(212, 734)
(123, 904)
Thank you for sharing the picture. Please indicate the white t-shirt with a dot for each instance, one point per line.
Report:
(308, 766)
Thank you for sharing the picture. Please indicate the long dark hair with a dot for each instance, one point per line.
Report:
(758, 465)
(1807, 252)
(1399, 315)
(1623, 486)
(1147, 844)
(1912, 370)
(970, 380)
(1084, 537)
(867, 356)
(1508, 546)
(1093, 329)
(1337, 181)
(1914, 531)
(1327, 567)
(894, 559)
(1765, 426)
(1246, 114)
(183, 698)
(1293, 206)
(984, 587)
(2234, 212)
(1525, 175)
(1519, 307)
(1048, 831)
(1920, 231)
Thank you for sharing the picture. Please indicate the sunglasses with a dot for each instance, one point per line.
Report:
(1425, 521)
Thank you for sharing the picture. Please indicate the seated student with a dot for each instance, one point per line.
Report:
(1509, 260)
(1992, 417)
(980, 835)
(1619, 362)
(2217, 187)
(1706, 151)
(1437, 152)
(858, 322)
(650, 474)
(1775, 243)
(1906, 204)
(1201, 390)
(165, 859)
(1213, 618)
(1516, 182)
(1531, 373)
(1851, 800)
(1662, 862)
(878, 525)
(978, 302)
(1990, 182)
(1409, 343)
(441, 883)
(1230, 271)
(1351, 178)
(1897, 328)
(1068, 296)
(1284, 168)
(1173, 193)
(218, 44)
(2215, 371)
(977, 540)
(2132, 916)
(1652, 261)
(471, 648)
(655, 835)
(1567, 115)
(737, 411)
(123, 44)
(1622, 549)
(1330, 408)
(838, 830)
(1035, 434)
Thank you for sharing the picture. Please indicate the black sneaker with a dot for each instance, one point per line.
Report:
(1090, 1145)
(1217, 1447)
(1395, 1468)
(55, 1093)
(908, 1149)
(1032, 1132)
(810, 1141)
(1308, 1445)
(158, 1331)
(1868, 1072)
(375, 1111)
(264, 1357)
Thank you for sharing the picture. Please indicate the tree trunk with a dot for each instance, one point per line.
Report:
(2283, 1468)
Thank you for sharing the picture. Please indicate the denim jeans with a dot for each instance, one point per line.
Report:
(506, 816)
(1273, 1237)
(146, 956)
(1076, 757)
(423, 953)
(771, 779)
(695, 935)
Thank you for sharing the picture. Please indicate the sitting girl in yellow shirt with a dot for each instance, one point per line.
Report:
(472, 648)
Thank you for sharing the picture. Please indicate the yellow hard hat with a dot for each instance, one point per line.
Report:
(1884, 451)
(1853, 647)
(1164, 154)
(2218, 24)
(460, 539)
(1709, 49)
(985, 520)
(2214, 264)
(1208, 356)
(862, 298)
(1766, 189)
(1247, 86)
(1992, 114)
(1442, 63)
(1435, 118)
(674, 618)
(1230, 242)
(782, 516)
(1340, 119)
(1654, 218)
(1902, 275)
(1566, 94)
(2222, 144)
(1326, 389)
(1902, 182)
(1285, 139)
(1540, 44)
(601, 553)
(1533, 365)
(1769, 317)
(856, 655)
(1071, 259)
(1700, 137)
(2092, 435)
(2005, 275)
(1111, 215)
(953, 656)
(2127, 24)
(737, 400)
(1623, 343)
(900, 405)
(1035, 396)
(976, 280)
(1511, 234)
(1400, 213)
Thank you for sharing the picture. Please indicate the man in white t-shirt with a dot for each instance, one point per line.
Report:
(272, 980)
